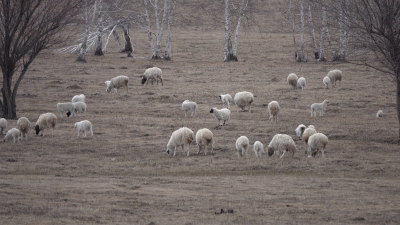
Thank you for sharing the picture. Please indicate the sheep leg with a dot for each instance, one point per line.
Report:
(84, 133)
(91, 131)
(282, 155)
(323, 153)
(162, 84)
(14, 139)
(198, 151)
(186, 147)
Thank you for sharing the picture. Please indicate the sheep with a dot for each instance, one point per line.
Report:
(281, 143)
(243, 99)
(321, 107)
(326, 81)
(67, 108)
(79, 98)
(153, 73)
(117, 83)
(379, 114)
(335, 75)
(242, 144)
(300, 130)
(204, 139)
(258, 148)
(317, 142)
(83, 126)
(79, 108)
(226, 100)
(273, 110)
(13, 133)
(23, 124)
(108, 84)
(301, 83)
(223, 116)
(3, 125)
(292, 80)
(45, 120)
(310, 130)
(182, 137)
(188, 105)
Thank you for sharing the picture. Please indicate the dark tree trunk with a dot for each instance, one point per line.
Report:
(8, 104)
(128, 44)
(398, 98)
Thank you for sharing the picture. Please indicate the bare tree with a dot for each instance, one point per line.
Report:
(99, 45)
(83, 47)
(26, 28)
(171, 10)
(324, 32)
(291, 18)
(343, 30)
(311, 23)
(302, 57)
(375, 26)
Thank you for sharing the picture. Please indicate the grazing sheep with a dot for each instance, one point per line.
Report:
(301, 83)
(189, 106)
(326, 81)
(223, 116)
(23, 125)
(243, 99)
(258, 148)
(117, 83)
(13, 133)
(321, 107)
(317, 142)
(242, 144)
(281, 143)
(182, 137)
(79, 98)
(83, 126)
(273, 110)
(153, 73)
(66, 108)
(80, 108)
(3, 126)
(46, 120)
(204, 139)
(300, 130)
(379, 114)
(310, 130)
(108, 84)
(292, 80)
(226, 100)
(335, 75)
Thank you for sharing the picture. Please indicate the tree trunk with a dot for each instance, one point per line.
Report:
(343, 30)
(311, 22)
(243, 7)
(171, 9)
(82, 51)
(148, 28)
(302, 54)
(128, 44)
(228, 54)
(323, 33)
(99, 43)
(116, 36)
(398, 97)
(9, 106)
(293, 30)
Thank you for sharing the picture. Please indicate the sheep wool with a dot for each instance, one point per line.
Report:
(3, 126)
(153, 73)
(188, 105)
(379, 114)
(301, 83)
(326, 81)
(83, 126)
(258, 148)
(65, 108)
(79, 108)
(13, 134)
(300, 130)
(292, 80)
(182, 137)
(273, 110)
(281, 143)
(244, 99)
(321, 107)
(226, 100)
(24, 125)
(223, 115)
(242, 144)
(317, 142)
(310, 130)
(45, 120)
(335, 75)
(79, 98)
(204, 140)
(117, 83)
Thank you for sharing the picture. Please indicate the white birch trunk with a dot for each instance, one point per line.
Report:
(243, 7)
(99, 44)
(148, 28)
(323, 33)
(343, 29)
(293, 30)
(228, 44)
(82, 52)
(116, 36)
(158, 32)
(302, 54)
(171, 9)
(311, 22)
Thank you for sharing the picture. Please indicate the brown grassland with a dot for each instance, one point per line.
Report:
(122, 174)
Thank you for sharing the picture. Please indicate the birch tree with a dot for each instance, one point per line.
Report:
(343, 31)
(312, 30)
(171, 10)
(83, 47)
(324, 31)
(99, 44)
(291, 19)
(302, 57)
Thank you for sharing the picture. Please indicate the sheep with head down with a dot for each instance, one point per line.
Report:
(182, 137)
(12, 134)
(45, 120)
(24, 125)
(292, 80)
(117, 83)
(153, 74)
(244, 99)
(316, 143)
(281, 143)
(204, 140)
(273, 110)
(242, 144)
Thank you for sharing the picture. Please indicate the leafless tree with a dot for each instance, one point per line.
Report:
(312, 30)
(302, 56)
(26, 28)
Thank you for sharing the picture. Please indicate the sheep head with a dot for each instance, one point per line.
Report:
(37, 129)
(270, 151)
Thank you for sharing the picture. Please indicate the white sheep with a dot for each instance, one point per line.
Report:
(153, 73)
(3, 126)
(79, 98)
(281, 143)
(83, 126)
(79, 108)
(326, 81)
(182, 137)
(300, 130)
(117, 83)
(292, 80)
(66, 108)
(335, 75)
(273, 110)
(223, 115)
(45, 120)
(310, 130)
(188, 105)
(226, 100)
(242, 144)
(317, 142)
(258, 148)
(321, 107)
(108, 84)
(301, 83)
(24, 125)
(379, 113)
(204, 139)
(243, 99)
(13, 134)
